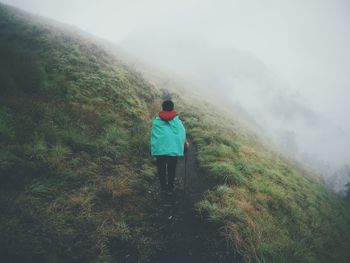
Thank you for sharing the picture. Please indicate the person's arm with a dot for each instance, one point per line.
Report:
(186, 145)
(152, 137)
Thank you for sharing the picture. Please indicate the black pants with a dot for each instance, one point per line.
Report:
(166, 171)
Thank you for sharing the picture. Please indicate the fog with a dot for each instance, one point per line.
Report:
(284, 65)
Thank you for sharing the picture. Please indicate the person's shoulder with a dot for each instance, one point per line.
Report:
(157, 120)
(178, 121)
(178, 118)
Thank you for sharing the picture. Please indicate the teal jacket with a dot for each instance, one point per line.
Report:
(168, 135)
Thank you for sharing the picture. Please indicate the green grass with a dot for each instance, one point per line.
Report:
(78, 184)
(268, 208)
(74, 154)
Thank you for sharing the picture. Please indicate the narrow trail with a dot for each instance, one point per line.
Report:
(186, 237)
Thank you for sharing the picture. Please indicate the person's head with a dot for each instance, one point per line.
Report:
(168, 105)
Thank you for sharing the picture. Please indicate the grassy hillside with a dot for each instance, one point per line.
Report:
(75, 172)
(78, 184)
(267, 207)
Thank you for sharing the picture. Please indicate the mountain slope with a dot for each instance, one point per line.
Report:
(74, 159)
(268, 208)
(78, 184)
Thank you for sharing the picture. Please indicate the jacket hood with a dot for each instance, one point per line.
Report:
(167, 115)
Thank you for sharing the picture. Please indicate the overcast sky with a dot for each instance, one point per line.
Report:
(306, 42)
(303, 43)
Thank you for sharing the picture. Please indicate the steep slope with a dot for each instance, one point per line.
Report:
(76, 176)
(78, 185)
(268, 208)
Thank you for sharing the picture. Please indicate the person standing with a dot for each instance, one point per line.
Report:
(168, 142)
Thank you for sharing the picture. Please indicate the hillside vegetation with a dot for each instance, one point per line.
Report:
(75, 169)
(269, 209)
(77, 181)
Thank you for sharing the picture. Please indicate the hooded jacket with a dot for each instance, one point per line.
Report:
(168, 135)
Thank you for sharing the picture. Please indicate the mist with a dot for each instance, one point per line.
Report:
(283, 65)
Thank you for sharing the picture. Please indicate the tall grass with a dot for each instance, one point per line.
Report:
(268, 208)
(74, 159)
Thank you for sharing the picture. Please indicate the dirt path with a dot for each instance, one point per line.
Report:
(186, 237)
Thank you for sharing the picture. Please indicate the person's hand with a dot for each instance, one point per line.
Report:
(186, 146)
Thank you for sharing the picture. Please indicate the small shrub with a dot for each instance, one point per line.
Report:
(222, 189)
(148, 173)
(139, 184)
(114, 135)
(39, 151)
(58, 153)
(226, 173)
(220, 151)
(243, 167)
(41, 190)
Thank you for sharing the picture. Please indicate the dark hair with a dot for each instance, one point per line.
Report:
(168, 105)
